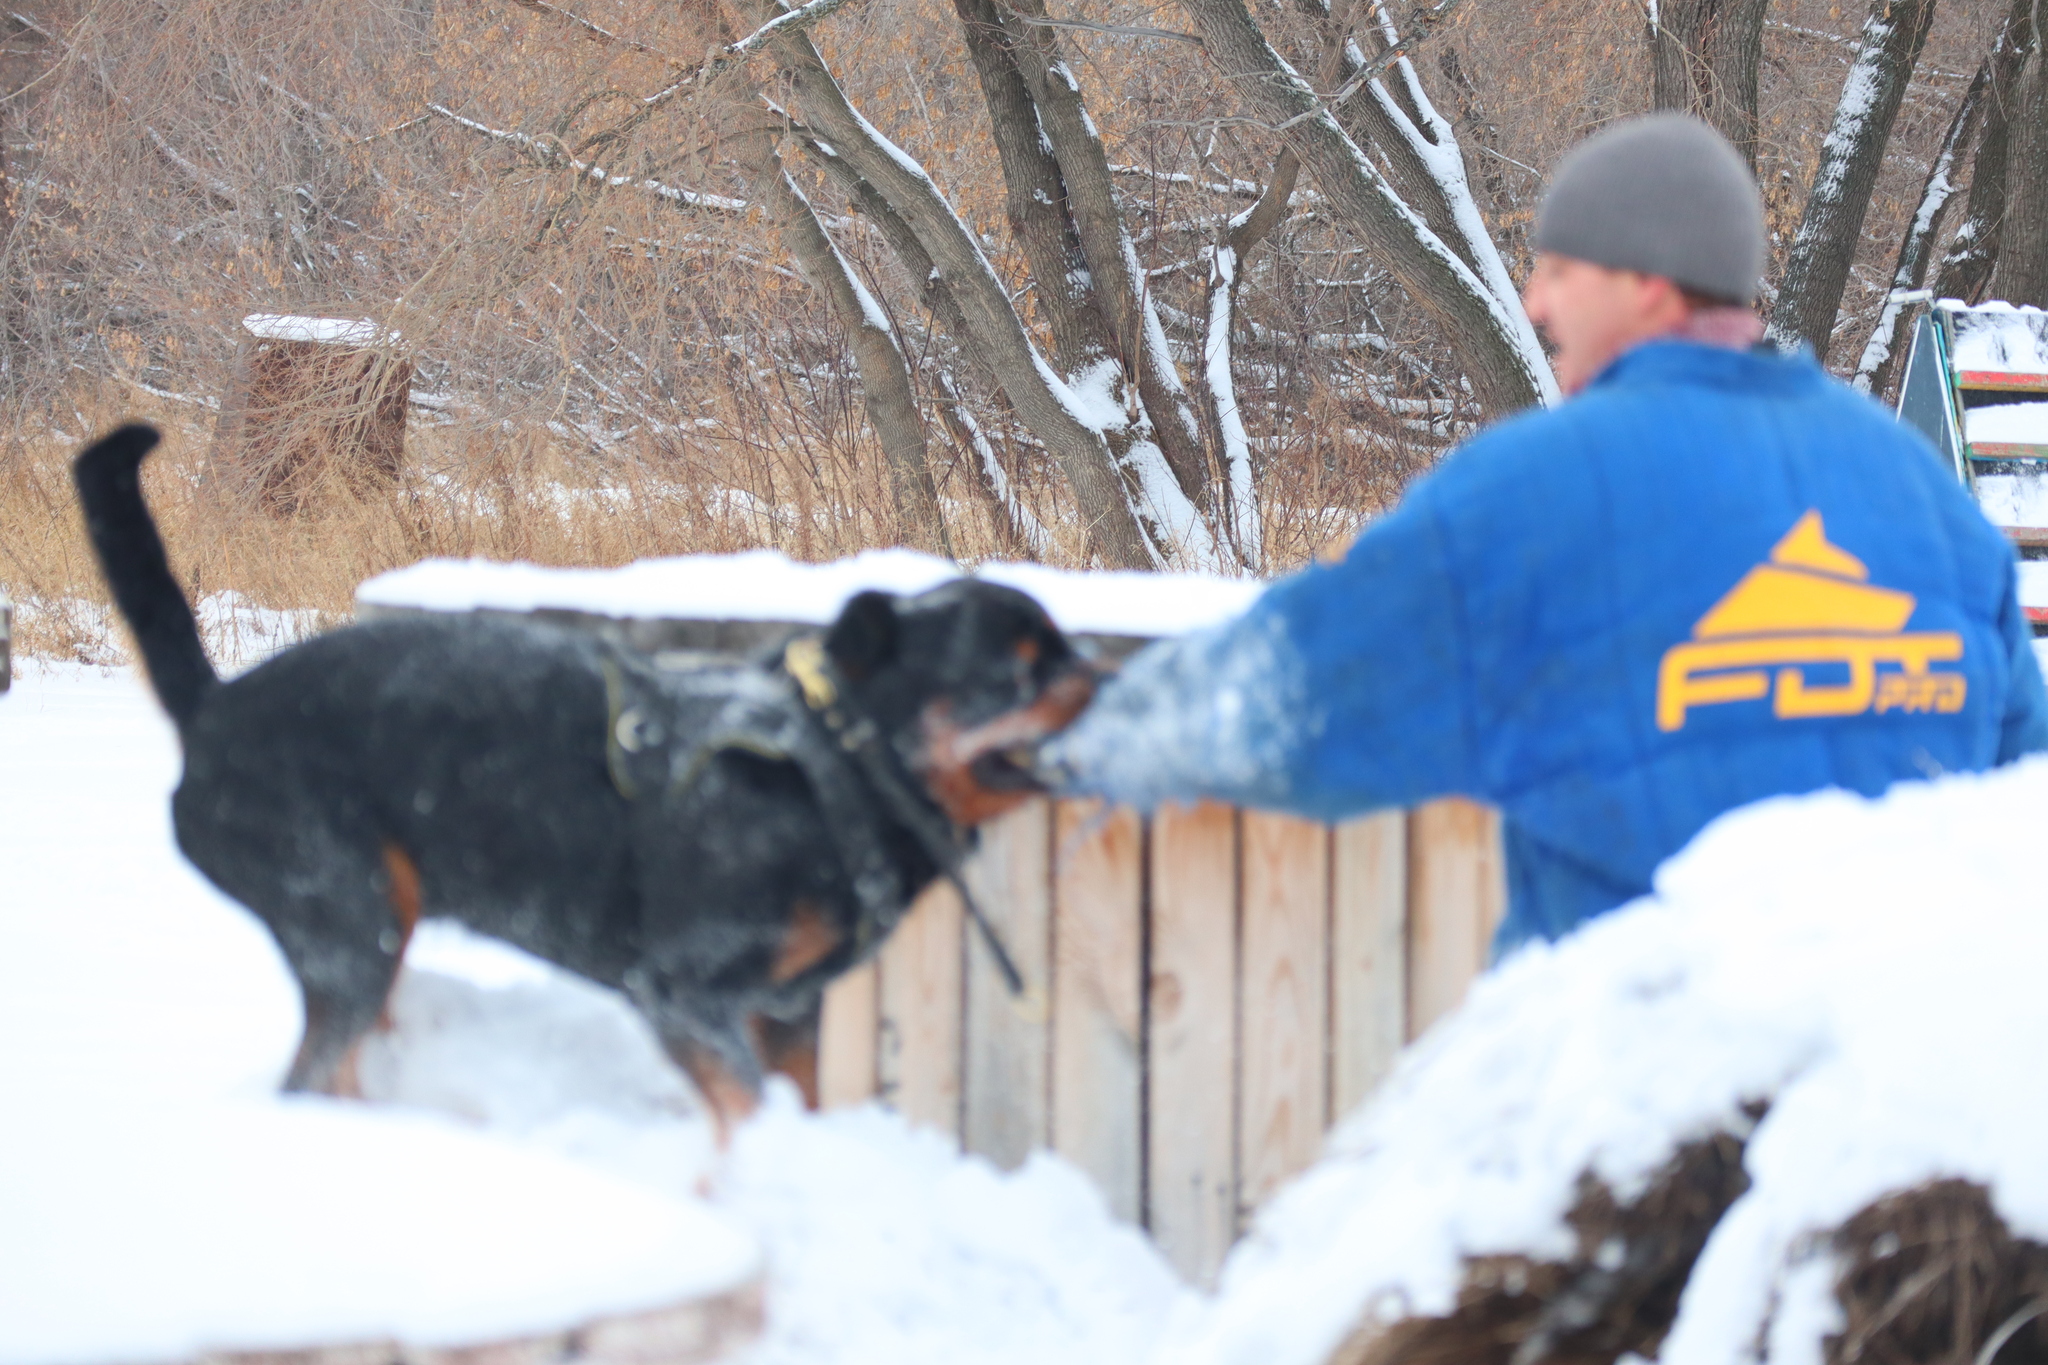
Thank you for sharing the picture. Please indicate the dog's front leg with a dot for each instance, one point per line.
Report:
(790, 1048)
(731, 1096)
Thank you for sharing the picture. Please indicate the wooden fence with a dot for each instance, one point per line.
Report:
(1209, 990)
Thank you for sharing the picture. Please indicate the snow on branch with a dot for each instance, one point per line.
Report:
(790, 21)
(1874, 368)
(214, 186)
(596, 32)
(1114, 30)
(549, 152)
(1246, 189)
(1428, 22)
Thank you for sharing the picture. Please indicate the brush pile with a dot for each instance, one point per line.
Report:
(1789, 1109)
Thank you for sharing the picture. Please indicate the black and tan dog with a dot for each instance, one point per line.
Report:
(717, 843)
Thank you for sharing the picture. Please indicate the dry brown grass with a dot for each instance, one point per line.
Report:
(528, 495)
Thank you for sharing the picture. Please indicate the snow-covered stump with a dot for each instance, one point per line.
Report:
(312, 398)
(1209, 989)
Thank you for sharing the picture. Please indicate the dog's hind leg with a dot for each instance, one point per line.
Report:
(342, 910)
(720, 1061)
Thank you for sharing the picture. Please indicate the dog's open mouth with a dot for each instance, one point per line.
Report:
(981, 771)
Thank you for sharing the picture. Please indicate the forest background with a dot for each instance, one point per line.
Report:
(1185, 285)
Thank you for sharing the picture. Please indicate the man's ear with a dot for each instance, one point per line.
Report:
(863, 639)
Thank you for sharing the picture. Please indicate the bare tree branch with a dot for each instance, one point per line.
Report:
(595, 32)
(549, 153)
(789, 21)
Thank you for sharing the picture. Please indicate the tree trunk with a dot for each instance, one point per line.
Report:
(1036, 196)
(1020, 531)
(1704, 56)
(1054, 413)
(1480, 327)
(1816, 272)
(1967, 266)
(1881, 354)
(1393, 116)
(884, 374)
(2021, 275)
(1112, 260)
(1240, 519)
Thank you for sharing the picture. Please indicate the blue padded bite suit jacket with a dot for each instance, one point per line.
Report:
(1713, 577)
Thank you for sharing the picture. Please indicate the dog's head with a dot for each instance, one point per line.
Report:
(966, 680)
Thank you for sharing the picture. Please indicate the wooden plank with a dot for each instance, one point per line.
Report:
(918, 1062)
(848, 1039)
(1456, 893)
(1098, 955)
(1284, 1020)
(1005, 1098)
(1191, 1060)
(1368, 954)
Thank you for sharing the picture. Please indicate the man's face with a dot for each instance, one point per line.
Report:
(1592, 313)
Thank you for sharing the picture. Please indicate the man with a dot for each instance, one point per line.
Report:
(1713, 575)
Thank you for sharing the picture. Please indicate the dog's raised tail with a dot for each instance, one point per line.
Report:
(131, 555)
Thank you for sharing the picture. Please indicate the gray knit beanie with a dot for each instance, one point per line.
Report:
(1664, 194)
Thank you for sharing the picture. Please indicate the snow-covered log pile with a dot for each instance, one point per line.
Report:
(1789, 1109)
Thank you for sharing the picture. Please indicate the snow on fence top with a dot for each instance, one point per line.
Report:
(328, 331)
(767, 586)
(1869, 969)
(1998, 337)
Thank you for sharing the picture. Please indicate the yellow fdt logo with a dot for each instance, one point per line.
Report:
(1811, 603)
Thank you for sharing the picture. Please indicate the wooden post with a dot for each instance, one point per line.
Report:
(1098, 1073)
(1457, 891)
(1284, 1021)
(1005, 1092)
(1191, 1073)
(311, 397)
(848, 1060)
(1368, 954)
(918, 1055)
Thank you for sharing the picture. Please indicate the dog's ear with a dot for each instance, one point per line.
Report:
(863, 639)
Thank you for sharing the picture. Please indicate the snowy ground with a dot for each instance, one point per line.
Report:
(534, 1161)
(1872, 969)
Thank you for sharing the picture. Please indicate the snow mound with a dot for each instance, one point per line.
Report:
(883, 1242)
(1868, 969)
(887, 1245)
(157, 1200)
(533, 1160)
(162, 1234)
(766, 585)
